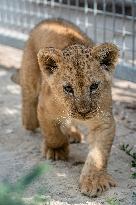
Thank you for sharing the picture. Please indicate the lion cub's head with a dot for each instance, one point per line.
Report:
(79, 78)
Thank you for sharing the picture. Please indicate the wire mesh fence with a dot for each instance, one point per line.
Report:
(103, 20)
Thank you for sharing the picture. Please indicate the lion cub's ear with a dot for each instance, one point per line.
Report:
(48, 59)
(107, 54)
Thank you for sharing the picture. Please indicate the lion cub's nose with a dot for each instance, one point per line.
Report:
(83, 106)
(84, 110)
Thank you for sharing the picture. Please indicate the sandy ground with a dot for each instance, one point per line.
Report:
(20, 149)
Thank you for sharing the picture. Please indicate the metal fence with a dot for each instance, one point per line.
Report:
(103, 20)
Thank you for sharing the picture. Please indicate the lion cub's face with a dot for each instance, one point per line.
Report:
(79, 78)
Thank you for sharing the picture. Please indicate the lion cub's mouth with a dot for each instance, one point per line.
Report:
(84, 116)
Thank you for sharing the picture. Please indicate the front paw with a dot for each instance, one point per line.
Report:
(56, 153)
(75, 136)
(95, 183)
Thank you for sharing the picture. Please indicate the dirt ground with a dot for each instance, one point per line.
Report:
(20, 149)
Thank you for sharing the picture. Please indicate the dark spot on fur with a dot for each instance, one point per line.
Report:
(87, 55)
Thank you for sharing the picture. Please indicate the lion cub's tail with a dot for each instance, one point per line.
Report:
(15, 77)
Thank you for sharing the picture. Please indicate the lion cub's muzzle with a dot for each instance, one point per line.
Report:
(83, 108)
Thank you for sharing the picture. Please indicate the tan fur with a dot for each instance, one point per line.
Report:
(70, 81)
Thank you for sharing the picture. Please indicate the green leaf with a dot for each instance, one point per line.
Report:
(113, 201)
(12, 194)
(37, 171)
(134, 175)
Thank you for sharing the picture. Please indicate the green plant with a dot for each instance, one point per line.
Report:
(113, 201)
(130, 151)
(12, 194)
(133, 198)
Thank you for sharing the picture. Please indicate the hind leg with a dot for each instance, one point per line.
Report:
(29, 112)
(30, 80)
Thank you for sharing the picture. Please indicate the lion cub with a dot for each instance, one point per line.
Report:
(70, 78)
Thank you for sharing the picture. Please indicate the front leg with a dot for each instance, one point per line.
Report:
(55, 144)
(94, 178)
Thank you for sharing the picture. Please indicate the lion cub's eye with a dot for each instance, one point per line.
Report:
(68, 89)
(94, 87)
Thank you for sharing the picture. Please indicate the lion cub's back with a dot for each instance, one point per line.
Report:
(57, 33)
